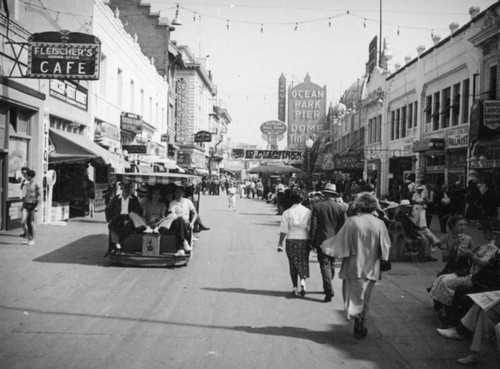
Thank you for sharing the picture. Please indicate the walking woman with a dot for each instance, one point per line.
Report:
(361, 243)
(294, 227)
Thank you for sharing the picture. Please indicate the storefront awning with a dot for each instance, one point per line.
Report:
(71, 148)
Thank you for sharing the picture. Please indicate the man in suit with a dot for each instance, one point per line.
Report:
(328, 216)
(120, 212)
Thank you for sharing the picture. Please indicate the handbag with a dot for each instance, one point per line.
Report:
(385, 265)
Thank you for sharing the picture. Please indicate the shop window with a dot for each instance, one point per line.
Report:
(436, 111)
(465, 100)
(403, 122)
(446, 107)
(379, 128)
(455, 108)
(435, 160)
(428, 109)
(393, 117)
(19, 145)
(492, 93)
(410, 116)
(415, 114)
(4, 116)
(396, 134)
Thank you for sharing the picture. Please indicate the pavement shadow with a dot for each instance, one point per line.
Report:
(265, 214)
(287, 295)
(88, 250)
(273, 223)
(87, 220)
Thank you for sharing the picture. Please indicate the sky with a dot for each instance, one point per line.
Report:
(250, 43)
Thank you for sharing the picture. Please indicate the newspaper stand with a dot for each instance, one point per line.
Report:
(152, 249)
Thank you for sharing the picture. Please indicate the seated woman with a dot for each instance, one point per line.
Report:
(444, 287)
(154, 211)
(455, 240)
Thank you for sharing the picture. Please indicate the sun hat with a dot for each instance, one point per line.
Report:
(405, 203)
(387, 205)
(330, 188)
(420, 187)
(143, 190)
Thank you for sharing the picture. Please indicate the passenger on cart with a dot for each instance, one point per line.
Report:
(182, 215)
(120, 213)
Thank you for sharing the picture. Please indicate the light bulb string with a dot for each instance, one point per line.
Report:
(327, 19)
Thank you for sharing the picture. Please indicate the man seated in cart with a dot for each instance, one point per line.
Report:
(120, 213)
(185, 216)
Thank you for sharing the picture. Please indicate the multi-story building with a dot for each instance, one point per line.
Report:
(437, 112)
(56, 121)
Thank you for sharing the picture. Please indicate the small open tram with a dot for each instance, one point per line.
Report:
(153, 249)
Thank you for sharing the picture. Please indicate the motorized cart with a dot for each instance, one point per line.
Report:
(152, 249)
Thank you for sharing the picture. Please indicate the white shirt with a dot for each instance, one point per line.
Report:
(185, 204)
(125, 205)
(295, 222)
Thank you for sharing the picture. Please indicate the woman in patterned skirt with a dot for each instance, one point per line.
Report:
(294, 227)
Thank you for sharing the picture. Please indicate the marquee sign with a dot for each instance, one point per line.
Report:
(65, 55)
(242, 154)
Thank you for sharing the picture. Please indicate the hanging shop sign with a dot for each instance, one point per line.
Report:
(484, 119)
(165, 138)
(457, 141)
(282, 98)
(491, 114)
(428, 144)
(273, 127)
(349, 162)
(202, 136)
(135, 149)
(65, 55)
(238, 154)
(181, 120)
(131, 122)
(72, 93)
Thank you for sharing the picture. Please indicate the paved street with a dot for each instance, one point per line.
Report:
(63, 306)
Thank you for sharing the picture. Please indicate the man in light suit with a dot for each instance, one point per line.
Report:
(328, 216)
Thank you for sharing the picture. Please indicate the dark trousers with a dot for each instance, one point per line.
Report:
(326, 267)
(182, 232)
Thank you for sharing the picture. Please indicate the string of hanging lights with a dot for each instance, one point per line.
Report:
(295, 24)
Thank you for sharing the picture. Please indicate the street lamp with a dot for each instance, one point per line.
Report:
(309, 167)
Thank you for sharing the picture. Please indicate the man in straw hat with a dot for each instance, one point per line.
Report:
(328, 216)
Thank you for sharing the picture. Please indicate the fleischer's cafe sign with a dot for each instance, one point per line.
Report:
(65, 55)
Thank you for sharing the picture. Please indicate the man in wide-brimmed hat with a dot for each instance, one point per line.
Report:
(328, 216)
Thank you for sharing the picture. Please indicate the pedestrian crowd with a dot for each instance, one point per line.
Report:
(365, 233)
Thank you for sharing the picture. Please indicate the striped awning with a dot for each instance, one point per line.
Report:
(156, 178)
